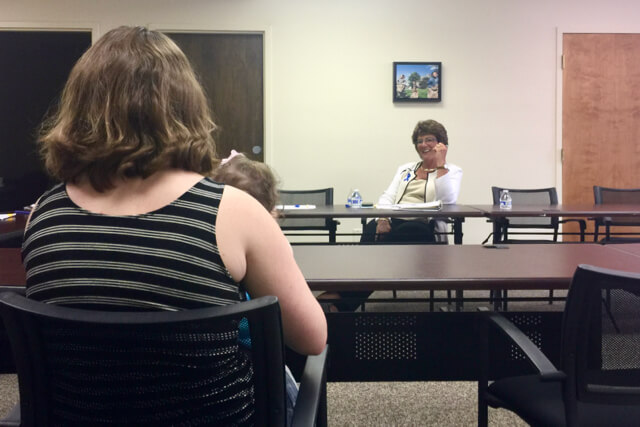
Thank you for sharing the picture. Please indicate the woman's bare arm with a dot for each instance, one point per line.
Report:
(256, 252)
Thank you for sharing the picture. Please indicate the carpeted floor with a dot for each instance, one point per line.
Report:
(423, 403)
(376, 404)
(8, 393)
(409, 404)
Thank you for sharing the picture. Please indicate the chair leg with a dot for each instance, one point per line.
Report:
(321, 416)
(550, 296)
(483, 380)
(492, 299)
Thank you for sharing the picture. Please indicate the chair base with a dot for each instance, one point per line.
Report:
(540, 403)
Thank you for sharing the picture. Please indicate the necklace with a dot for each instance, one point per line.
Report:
(427, 170)
(432, 169)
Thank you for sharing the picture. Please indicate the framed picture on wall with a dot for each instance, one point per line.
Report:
(417, 81)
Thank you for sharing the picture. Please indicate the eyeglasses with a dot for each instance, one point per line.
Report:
(426, 139)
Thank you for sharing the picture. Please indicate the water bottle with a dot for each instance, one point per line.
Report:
(505, 200)
(355, 199)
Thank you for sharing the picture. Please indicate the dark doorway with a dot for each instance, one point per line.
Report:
(34, 66)
(230, 67)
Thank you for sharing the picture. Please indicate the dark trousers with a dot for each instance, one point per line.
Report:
(402, 231)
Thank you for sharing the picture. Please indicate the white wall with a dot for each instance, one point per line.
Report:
(330, 118)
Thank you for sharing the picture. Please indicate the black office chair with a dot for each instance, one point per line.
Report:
(598, 380)
(319, 197)
(618, 196)
(11, 239)
(81, 367)
(551, 225)
(538, 196)
(410, 232)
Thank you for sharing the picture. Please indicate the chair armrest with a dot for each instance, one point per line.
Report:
(313, 391)
(547, 371)
(12, 419)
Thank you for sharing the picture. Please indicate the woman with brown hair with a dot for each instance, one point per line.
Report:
(135, 224)
(429, 179)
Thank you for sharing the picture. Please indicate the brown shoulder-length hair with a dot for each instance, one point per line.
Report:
(132, 106)
(253, 177)
(430, 127)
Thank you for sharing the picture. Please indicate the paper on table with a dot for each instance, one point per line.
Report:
(295, 206)
(436, 205)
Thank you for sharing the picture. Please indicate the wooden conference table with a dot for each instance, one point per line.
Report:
(411, 346)
(570, 210)
(456, 267)
(457, 213)
(426, 267)
(397, 346)
(16, 223)
(494, 212)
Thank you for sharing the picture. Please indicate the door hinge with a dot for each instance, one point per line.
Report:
(562, 62)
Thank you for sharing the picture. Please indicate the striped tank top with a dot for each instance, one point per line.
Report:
(167, 259)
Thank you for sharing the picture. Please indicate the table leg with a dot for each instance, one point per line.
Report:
(457, 230)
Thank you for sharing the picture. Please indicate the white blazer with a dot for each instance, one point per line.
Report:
(447, 189)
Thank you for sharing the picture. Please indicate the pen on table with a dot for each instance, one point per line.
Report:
(22, 212)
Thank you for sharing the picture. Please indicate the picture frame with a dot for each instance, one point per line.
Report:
(417, 81)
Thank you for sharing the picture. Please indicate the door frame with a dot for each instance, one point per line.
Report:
(267, 148)
(560, 32)
(94, 27)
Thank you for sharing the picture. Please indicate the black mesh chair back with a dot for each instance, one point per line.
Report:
(601, 340)
(617, 196)
(411, 232)
(598, 380)
(319, 197)
(520, 197)
(79, 367)
(540, 196)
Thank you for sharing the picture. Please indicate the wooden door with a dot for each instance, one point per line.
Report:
(600, 115)
(230, 68)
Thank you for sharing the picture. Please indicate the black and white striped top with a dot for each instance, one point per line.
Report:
(167, 259)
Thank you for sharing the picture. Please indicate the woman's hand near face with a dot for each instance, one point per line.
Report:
(440, 151)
